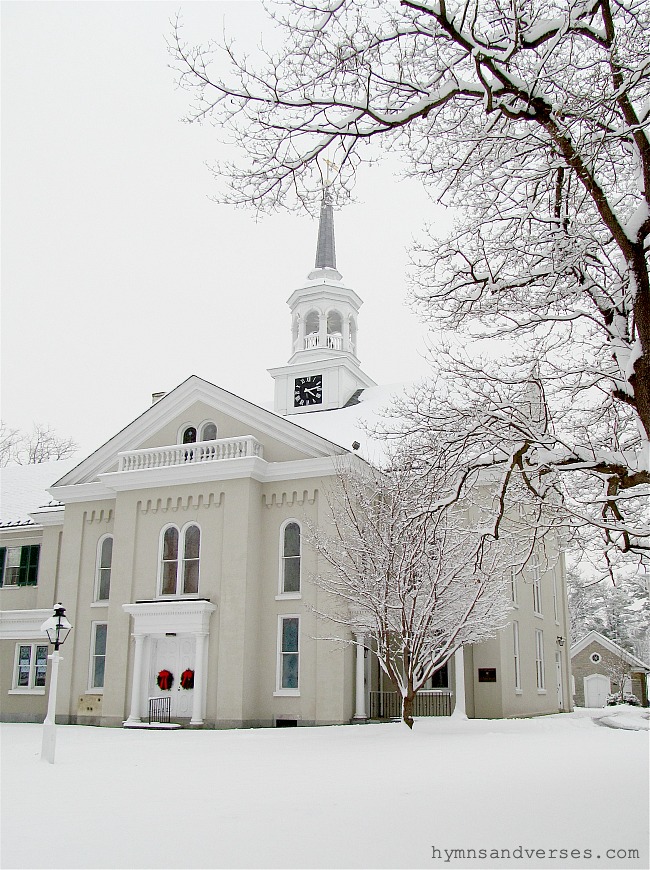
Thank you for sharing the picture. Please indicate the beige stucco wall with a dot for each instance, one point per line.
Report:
(227, 427)
(240, 523)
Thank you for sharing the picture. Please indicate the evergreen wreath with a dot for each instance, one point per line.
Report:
(165, 680)
(187, 679)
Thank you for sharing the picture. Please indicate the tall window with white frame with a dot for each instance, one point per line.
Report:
(513, 586)
(539, 659)
(537, 584)
(556, 611)
(97, 655)
(290, 558)
(515, 641)
(103, 568)
(30, 668)
(288, 654)
(180, 560)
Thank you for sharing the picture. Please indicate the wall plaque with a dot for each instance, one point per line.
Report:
(487, 675)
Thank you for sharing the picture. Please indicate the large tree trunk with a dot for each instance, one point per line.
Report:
(408, 702)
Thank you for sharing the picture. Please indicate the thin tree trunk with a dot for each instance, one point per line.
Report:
(408, 702)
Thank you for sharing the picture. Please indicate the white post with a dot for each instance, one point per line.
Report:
(301, 334)
(49, 723)
(459, 668)
(359, 685)
(197, 700)
(136, 689)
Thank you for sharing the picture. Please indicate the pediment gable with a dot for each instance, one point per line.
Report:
(192, 402)
(605, 643)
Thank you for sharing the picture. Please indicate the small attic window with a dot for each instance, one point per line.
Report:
(189, 435)
(209, 432)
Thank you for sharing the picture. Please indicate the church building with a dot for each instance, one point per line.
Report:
(179, 551)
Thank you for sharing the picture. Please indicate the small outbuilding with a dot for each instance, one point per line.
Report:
(601, 667)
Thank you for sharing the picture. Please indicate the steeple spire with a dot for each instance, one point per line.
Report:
(325, 248)
(325, 265)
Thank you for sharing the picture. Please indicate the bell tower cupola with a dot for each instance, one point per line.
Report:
(323, 370)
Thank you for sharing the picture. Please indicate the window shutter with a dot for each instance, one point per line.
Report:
(3, 553)
(24, 566)
(28, 572)
(32, 564)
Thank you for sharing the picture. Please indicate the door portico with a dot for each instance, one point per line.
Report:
(174, 633)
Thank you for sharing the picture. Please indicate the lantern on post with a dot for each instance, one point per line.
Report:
(57, 629)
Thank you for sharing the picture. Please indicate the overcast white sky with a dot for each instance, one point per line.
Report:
(120, 275)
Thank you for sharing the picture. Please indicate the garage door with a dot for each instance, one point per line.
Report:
(597, 689)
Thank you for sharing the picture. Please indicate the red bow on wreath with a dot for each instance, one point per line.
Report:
(165, 680)
(187, 679)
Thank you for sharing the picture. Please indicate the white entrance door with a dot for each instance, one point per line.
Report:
(174, 654)
(597, 689)
(558, 671)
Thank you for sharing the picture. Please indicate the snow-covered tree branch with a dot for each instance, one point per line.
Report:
(419, 583)
(531, 121)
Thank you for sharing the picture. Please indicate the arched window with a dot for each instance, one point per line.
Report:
(334, 322)
(209, 432)
(189, 435)
(290, 560)
(191, 560)
(334, 330)
(103, 568)
(180, 557)
(312, 328)
(169, 566)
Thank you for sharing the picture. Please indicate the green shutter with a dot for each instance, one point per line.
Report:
(3, 554)
(24, 566)
(32, 564)
(28, 573)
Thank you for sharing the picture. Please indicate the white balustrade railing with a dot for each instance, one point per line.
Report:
(334, 342)
(184, 454)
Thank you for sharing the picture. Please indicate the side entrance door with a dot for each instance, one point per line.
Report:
(558, 671)
(173, 654)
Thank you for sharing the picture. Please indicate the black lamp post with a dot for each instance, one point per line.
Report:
(57, 629)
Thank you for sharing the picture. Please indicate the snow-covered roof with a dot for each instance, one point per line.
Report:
(23, 489)
(344, 426)
(614, 648)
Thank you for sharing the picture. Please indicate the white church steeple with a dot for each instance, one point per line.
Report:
(323, 369)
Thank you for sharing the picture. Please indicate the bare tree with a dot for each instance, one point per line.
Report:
(619, 670)
(419, 583)
(9, 439)
(531, 121)
(30, 448)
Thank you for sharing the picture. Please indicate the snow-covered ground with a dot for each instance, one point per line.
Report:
(350, 796)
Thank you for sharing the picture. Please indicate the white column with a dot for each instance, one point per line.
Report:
(459, 668)
(197, 700)
(322, 330)
(136, 688)
(301, 334)
(48, 745)
(359, 683)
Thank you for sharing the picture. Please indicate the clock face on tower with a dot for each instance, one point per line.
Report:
(308, 391)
